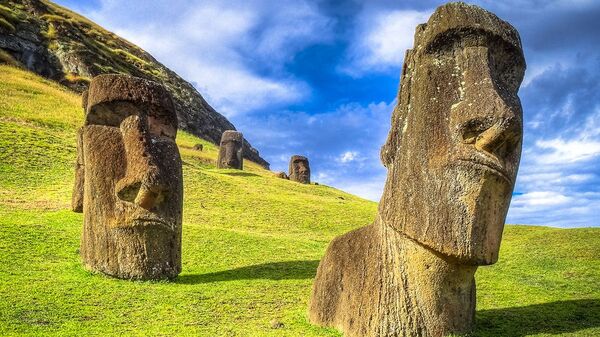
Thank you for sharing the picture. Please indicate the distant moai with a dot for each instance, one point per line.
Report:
(129, 181)
(281, 175)
(230, 150)
(452, 156)
(299, 169)
(199, 147)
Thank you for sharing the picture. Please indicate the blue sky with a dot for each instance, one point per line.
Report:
(319, 78)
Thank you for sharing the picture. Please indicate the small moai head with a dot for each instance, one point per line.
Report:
(299, 169)
(130, 180)
(198, 147)
(230, 150)
(281, 175)
(455, 142)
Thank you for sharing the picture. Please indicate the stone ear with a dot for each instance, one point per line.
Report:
(77, 197)
(392, 144)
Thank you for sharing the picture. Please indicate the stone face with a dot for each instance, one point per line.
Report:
(130, 170)
(281, 175)
(299, 169)
(230, 150)
(452, 156)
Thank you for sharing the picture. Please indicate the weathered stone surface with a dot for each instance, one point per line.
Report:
(76, 49)
(299, 169)
(77, 197)
(130, 170)
(452, 156)
(230, 150)
(84, 101)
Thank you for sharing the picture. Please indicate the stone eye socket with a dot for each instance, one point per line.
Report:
(471, 130)
(507, 67)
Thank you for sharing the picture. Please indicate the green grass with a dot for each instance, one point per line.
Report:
(7, 25)
(251, 246)
(7, 58)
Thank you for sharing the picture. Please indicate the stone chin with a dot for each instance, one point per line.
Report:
(480, 198)
(304, 176)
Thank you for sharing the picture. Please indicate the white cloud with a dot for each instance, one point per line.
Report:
(370, 189)
(348, 156)
(567, 151)
(382, 39)
(541, 198)
(342, 145)
(217, 45)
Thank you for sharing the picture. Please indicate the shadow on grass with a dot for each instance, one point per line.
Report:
(550, 318)
(287, 270)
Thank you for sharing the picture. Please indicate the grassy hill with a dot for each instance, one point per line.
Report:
(251, 246)
(66, 47)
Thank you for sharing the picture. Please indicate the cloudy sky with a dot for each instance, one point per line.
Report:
(319, 78)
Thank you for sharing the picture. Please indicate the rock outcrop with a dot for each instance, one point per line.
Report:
(63, 46)
(452, 156)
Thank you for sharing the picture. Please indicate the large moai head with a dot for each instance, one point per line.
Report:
(230, 150)
(455, 142)
(131, 178)
(299, 169)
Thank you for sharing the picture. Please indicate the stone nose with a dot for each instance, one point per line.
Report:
(142, 183)
(492, 115)
(494, 139)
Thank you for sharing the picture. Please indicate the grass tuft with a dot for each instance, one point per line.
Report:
(8, 14)
(7, 58)
(7, 25)
(74, 78)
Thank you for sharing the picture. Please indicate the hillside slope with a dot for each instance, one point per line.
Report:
(63, 46)
(251, 246)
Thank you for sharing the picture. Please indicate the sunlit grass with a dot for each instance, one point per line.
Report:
(251, 245)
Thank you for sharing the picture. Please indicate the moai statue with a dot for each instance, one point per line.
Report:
(129, 182)
(199, 147)
(452, 156)
(281, 175)
(230, 150)
(299, 170)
